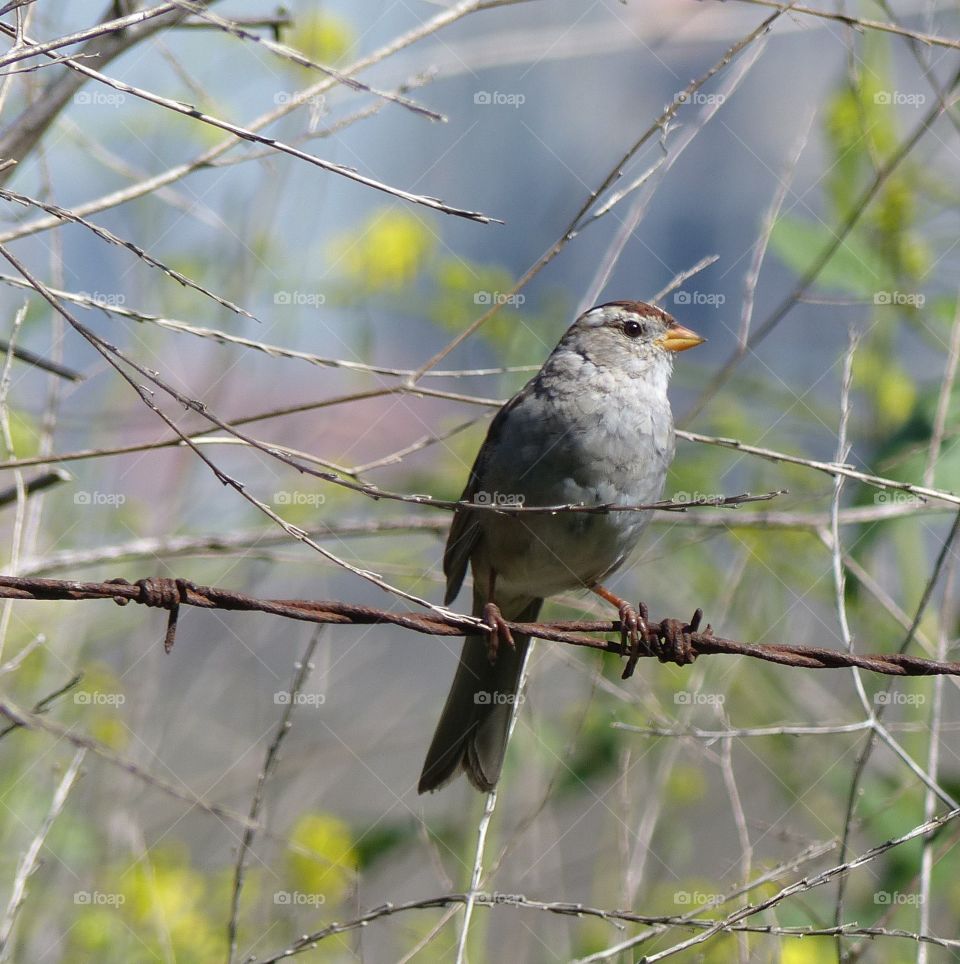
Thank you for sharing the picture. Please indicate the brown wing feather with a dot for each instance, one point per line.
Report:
(465, 528)
(463, 536)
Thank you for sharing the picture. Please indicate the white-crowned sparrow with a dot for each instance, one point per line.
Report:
(593, 426)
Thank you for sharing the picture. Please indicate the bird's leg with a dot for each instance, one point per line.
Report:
(669, 640)
(633, 622)
(493, 619)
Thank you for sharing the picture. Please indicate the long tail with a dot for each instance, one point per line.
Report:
(475, 721)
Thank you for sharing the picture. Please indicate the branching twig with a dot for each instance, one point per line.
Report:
(860, 23)
(188, 110)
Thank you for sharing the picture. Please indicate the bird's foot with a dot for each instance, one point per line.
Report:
(499, 630)
(633, 629)
(670, 641)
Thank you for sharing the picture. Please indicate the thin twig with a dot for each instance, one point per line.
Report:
(577, 222)
(943, 400)
(269, 765)
(188, 110)
(29, 859)
(860, 23)
(830, 468)
(289, 53)
(65, 215)
(838, 871)
(838, 236)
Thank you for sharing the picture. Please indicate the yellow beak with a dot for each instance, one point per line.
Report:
(679, 338)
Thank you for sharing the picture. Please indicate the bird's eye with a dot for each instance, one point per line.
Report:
(632, 329)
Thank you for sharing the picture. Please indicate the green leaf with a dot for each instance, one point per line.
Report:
(853, 268)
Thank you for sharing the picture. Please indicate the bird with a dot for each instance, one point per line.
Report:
(593, 427)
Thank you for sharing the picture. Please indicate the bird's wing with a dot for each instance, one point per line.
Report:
(465, 530)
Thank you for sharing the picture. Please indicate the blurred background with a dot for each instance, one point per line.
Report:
(811, 144)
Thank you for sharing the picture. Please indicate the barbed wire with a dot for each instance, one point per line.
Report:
(172, 593)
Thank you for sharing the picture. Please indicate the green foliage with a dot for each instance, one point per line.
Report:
(385, 254)
(884, 252)
(140, 911)
(322, 858)
(395, 256)
(853, 269)
(98, 701)
(382, 841)
(322, 36)
(24, 433)
(598, 746)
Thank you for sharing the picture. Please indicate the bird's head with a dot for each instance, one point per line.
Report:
(628, 335)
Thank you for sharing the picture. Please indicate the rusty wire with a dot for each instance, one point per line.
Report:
(171, 594)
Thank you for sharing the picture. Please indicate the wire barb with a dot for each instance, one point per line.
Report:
(669, 640)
